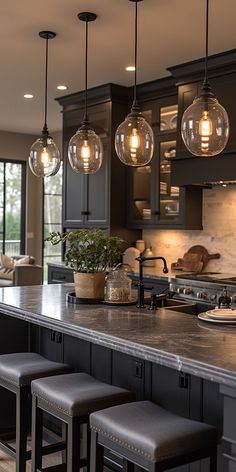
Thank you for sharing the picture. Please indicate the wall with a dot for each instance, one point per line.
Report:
(218, 234)
(16, 146)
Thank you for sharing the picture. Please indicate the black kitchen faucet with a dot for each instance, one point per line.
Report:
(141, 259)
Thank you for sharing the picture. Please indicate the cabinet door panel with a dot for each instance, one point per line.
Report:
(98, 194)
(224, 90)
(73, 189)
(128, 372)
(187, 93)
(101, 363)
(77, 353)
(51, 344)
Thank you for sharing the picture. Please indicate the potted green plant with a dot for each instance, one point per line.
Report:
(90, 253)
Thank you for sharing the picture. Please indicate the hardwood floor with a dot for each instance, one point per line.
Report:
(7, 464)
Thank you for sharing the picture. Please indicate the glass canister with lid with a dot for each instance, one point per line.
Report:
(118, 285)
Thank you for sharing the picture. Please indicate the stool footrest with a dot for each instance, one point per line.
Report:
(61, 467)
(54, 468)
(7, 448)
(51, 448)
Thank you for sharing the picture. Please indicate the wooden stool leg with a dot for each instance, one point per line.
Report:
(88, 447)
(128, 466)
(97, 454)
(37, 435)
(73, 445)
(213, 460)
(21, 429)
(64, 438)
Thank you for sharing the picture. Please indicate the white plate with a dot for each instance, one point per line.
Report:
(205, 317)
(222, 314)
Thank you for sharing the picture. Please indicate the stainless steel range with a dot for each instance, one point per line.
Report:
(204, 288)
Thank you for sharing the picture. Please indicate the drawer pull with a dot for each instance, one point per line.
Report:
(86, 213)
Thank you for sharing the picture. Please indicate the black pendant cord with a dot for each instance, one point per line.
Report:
(86, 75)
(45, 128)
(207, 35)
(135, 52)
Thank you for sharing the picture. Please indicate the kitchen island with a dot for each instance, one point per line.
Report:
(185, 365)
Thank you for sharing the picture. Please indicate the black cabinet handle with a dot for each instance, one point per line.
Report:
(58, 338)
(183, 380)
(156, 213)
(85, 213)
(52, 336)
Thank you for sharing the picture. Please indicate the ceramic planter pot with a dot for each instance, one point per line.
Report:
(89, 285)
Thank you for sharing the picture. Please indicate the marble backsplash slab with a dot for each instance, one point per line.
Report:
(218, 234)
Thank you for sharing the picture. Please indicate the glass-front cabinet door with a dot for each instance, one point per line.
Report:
(141, 180)
(153, 200)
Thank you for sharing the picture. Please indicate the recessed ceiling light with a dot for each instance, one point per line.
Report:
(62, 87)
(28, 95)
(130, 68)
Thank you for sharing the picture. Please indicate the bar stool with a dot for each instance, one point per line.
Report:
(71, 398)
(16, 373)
(150, 437)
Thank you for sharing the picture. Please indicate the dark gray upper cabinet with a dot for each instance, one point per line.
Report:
(152, 199)
(97, 200)
(186, 168)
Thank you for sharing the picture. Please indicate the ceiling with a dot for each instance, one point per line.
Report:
(170, 32)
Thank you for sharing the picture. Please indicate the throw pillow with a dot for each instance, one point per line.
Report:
(6, 261)
(23, 260)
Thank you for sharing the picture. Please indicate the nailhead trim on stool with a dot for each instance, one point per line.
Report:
(146, 435)
(17, 370)
(71, 399)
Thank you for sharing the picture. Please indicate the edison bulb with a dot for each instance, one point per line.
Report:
(205, 127)
(44, 159)
(134, 141)
(85, 151)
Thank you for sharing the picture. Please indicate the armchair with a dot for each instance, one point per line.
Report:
(22, 274)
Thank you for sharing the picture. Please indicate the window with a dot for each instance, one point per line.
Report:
(52, 217)
(12, 207)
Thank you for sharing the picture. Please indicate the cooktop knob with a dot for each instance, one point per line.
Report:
(201, 295)
(179, 290)
(187, 291)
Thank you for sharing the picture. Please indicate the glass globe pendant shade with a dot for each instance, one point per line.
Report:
(44, 158)
(205, 127)
(85, 151)
(134, 141)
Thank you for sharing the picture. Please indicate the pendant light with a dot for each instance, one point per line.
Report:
(205, 123)
(134, 140)
(85, 150)
(44, 158)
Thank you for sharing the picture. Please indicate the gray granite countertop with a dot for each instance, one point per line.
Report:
(166, 337)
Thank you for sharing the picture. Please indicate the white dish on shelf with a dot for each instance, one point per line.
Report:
(222, 314)
(173, 122)
(204, 317)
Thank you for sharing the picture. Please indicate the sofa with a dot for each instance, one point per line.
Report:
(19, 270)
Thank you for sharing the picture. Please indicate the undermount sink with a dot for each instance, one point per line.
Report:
(174, 304)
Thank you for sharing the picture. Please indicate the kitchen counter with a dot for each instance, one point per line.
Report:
(165, 337)
(148, 272)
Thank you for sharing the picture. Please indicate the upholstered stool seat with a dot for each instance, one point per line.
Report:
(151, 437)
(19, 369)
(16, 373)
(71, 398)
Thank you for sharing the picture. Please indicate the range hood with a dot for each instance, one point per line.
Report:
(204, 170)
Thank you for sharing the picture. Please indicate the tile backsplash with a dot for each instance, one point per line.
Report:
(218, 234)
